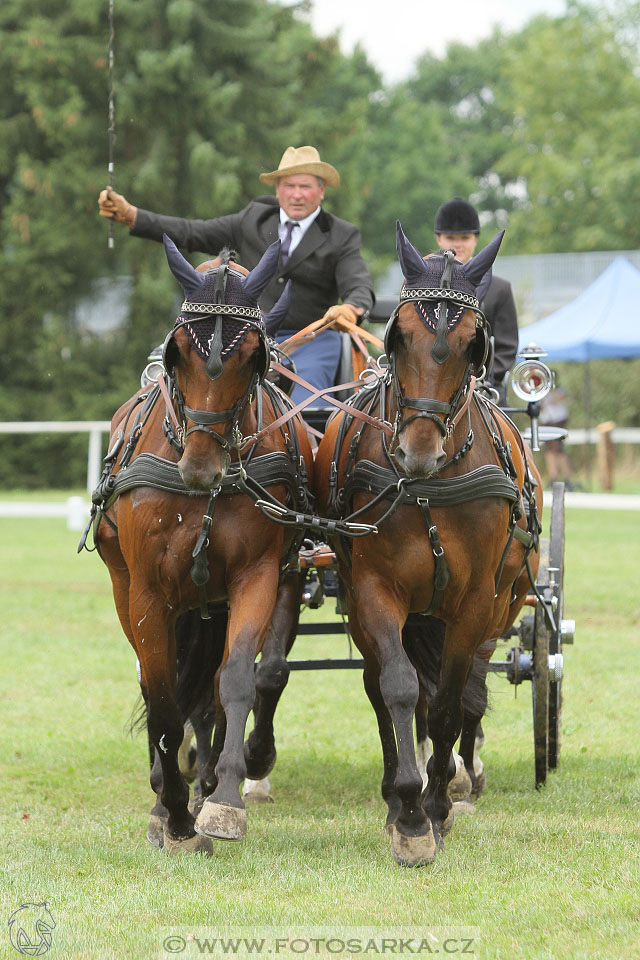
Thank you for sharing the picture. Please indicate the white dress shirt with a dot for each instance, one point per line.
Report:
(299, 230)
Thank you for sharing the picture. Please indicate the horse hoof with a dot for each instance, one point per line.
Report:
(257, 791)
(195, 806)
(155, 831)
(447, 823)
(463, 807)
(413, 851)
(479, 785)
(460, 784)
(195, 844)
(257, 797)
(221, 821)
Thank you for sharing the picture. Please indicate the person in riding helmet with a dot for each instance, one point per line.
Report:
(320, 253)
(457, 226)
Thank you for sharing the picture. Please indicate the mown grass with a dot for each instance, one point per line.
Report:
(548, 874)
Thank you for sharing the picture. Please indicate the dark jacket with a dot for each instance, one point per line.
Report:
(500, 310)
(325, 268)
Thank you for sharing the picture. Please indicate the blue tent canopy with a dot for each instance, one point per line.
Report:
(601, 323)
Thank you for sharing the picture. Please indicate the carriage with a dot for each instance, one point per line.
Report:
(376, 472)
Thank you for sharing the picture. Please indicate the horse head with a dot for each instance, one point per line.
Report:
(216, 356)
(436, 339)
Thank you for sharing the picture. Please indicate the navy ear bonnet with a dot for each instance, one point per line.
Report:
(220, 308)
(441, 290)
(201, 326)
(462, 293)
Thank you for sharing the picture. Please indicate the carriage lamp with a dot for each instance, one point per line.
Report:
(531, 379)
(151, 372)
(153, 368)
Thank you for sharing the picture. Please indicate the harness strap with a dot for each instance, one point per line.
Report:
(316, 393)
(150, 470)
(200, 569)
(488, 480)
(351, 328)
(441, 571)
(171, 413)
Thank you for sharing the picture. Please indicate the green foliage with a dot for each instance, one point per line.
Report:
(538, 127)
(206, 97)
(574, 92)
(589, 387)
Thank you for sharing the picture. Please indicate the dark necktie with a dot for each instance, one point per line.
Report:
(286, 243)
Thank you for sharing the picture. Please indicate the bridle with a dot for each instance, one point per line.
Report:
(178, 411)
(442, 413)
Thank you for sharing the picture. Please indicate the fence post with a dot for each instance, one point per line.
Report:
(605, 454)
(94, 459)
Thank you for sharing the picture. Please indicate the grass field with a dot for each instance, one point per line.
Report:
(549, 874)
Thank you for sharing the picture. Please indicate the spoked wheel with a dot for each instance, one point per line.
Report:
(547, 644)
(540, 687)
(556, 581)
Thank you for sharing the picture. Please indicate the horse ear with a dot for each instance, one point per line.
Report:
(273, 319)
(483, 286)
(476, 268)
(187, 276)
(411, 263)
(263, 272)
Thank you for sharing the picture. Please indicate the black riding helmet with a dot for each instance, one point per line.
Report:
(457, 216)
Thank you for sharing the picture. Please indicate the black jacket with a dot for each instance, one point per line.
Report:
(500, 310)
(325, 268)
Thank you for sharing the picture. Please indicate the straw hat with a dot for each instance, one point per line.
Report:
(303, 160)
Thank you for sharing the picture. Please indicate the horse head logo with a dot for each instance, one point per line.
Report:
(30, 929)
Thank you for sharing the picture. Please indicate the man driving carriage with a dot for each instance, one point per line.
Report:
(457, 227)
(320, 253)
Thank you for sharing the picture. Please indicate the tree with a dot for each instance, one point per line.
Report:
(573, 89)
(206, 97)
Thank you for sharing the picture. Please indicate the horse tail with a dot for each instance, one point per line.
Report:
(200, 647)
(423, 641)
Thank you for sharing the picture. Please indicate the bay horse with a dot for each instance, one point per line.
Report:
(176, 523)
(449, 563)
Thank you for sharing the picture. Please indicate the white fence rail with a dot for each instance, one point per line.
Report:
(95, 429)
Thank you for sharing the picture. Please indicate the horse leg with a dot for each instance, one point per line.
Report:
(423, 744)
(251, 601)
(467, 784)
(445, 723)
(272, 674)
(474, 702)
(159, 814)
(216, 723)
(154, 643)
(412, 838)
(188, 754)
(202, 720)
(460, 784)
(371, 678)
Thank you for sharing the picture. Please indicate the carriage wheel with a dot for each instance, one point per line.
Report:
(556, 577)
(540, 693)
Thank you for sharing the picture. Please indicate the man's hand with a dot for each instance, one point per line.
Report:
(116, 207)
(340, 312)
